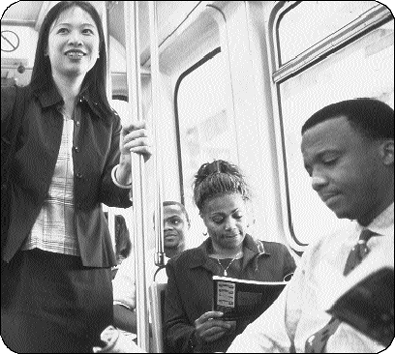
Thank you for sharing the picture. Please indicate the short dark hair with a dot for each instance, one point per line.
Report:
(371, 117)
(96, 78)
(218, 177)
(182, 207)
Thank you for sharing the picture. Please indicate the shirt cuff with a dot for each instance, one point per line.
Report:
(116, 182)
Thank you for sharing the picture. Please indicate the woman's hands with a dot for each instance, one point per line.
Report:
(135, 138)
(209, 327)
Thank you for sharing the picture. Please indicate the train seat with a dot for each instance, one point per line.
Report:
(157, 301)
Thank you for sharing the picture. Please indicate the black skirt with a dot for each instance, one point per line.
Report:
(50, 303)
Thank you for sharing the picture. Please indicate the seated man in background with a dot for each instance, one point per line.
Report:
(348, 151)
(175, 225)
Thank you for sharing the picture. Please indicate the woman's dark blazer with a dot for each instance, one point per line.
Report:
(95, 153)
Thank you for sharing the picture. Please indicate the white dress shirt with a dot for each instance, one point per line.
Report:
(300, 311)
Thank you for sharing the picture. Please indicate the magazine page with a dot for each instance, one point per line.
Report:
(244, 299)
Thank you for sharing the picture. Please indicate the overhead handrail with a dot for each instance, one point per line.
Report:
(138, 170)
(156, 111)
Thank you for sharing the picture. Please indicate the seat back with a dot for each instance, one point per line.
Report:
(157, 302)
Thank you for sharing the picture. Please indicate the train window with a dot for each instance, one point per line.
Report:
(322, 18)
(205, 130)
(361, 67)
(121, 106)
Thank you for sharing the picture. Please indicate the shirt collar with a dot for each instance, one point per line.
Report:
(51, 97)
(382, 222)
(251, 248)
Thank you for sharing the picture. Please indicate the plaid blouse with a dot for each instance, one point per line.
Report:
(53, 230)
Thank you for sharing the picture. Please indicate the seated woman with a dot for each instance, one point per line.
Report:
(221, 195)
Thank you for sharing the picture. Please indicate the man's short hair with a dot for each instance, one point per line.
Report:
(182, 207)
(371, 117)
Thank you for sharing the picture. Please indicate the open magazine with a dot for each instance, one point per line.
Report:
(368, 305)
(244, 299)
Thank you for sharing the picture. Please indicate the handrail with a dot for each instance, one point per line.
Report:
(156, 111)
(138, 170)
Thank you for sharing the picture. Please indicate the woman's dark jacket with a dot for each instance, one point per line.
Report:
(95, 153)
(189, 292)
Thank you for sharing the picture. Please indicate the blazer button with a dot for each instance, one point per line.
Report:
(77, 123)
(76, 149)
(79, 175)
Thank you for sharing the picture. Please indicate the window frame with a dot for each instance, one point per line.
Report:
(183, 75)
(358, 28)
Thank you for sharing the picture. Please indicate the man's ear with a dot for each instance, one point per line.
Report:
(387, 152)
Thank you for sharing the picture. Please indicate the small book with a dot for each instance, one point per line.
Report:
(368, 306)
(244, 299)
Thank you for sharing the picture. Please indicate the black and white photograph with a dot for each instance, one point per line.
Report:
(197, 177)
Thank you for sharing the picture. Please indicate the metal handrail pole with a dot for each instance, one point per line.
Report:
(138, 170)
(156, 118)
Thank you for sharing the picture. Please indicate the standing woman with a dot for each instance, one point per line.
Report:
(221, 195)
(72, 155)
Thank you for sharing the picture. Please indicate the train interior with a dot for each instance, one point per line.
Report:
(235, 80)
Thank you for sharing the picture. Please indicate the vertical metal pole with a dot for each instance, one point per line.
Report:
(105, 17)
(156, 118)
(138, 170)
(104, 14)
